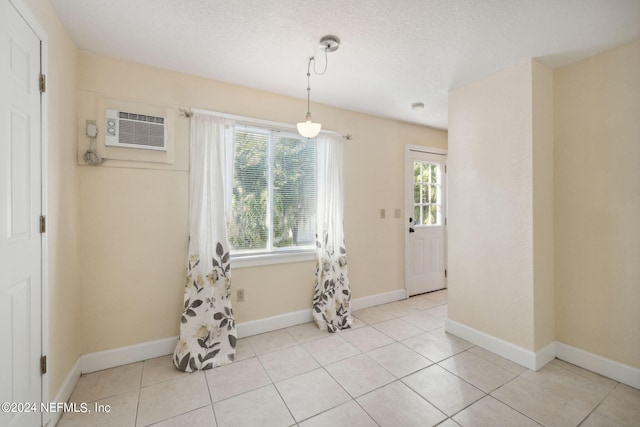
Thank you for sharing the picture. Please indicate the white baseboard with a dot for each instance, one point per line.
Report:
(268, 324)
(495, 345)
(100, 360)
(286, 320)
(601, 365)
(64, 393)
(373, 300)
(148, 350)
(521, 356)
(124, 355)
(545, 355)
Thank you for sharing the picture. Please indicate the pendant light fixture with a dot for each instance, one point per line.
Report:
(308, 129)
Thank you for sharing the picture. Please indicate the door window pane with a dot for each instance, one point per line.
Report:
(433, 194)
(427, 193)
(433, 215)
(435, 174)
(425, 216)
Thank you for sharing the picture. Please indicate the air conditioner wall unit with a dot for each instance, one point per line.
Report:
(133, 130)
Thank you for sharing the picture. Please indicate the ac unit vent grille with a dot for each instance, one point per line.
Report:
(140, 117)
(133, 130)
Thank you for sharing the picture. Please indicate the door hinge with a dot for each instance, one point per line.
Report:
(43, 365)
(43, 224)
(445, 272)
(43, 83)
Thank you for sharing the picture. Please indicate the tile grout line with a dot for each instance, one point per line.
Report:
(206, 380)
(520, 412)
(135, 420)
(598, 405)
(273, 384)
(353, 399)
(431, 403)
(394, 377)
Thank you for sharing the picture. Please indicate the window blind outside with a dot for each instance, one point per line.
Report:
(248, 228)
(294, 192)
(274, 191)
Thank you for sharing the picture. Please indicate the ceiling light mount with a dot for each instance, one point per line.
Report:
(308, 129)
(329, 43)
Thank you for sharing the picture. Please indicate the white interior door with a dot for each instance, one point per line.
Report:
(20, 210)
(425, 231)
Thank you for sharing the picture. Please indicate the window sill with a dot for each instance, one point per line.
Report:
(252, 260)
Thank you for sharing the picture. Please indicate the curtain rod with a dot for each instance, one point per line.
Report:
(251, 121)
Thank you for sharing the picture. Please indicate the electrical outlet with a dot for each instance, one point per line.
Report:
(396, 213)
(383, 213)
(240, 295)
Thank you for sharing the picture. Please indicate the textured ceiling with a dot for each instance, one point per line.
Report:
(392, 53)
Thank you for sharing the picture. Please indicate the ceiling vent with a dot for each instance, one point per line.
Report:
(133, 130)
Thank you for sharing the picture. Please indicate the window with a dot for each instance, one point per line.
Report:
(427, 198)
(273, 205)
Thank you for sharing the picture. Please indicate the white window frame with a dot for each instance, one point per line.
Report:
(270, 255)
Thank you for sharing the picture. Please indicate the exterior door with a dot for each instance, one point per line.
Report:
(20, 210)
(425, 227)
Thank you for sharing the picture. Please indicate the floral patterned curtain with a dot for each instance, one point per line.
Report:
(207, 328)
(332, 296)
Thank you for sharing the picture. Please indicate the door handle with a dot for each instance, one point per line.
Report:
(411, 230)
(411, 224)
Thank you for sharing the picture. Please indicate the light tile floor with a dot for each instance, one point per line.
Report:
(397, 367)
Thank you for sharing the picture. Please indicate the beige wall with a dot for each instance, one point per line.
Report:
(490, 205)
(597, 173)
(553, 159)
(543, 208)
(134, 221)
(63, 210)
